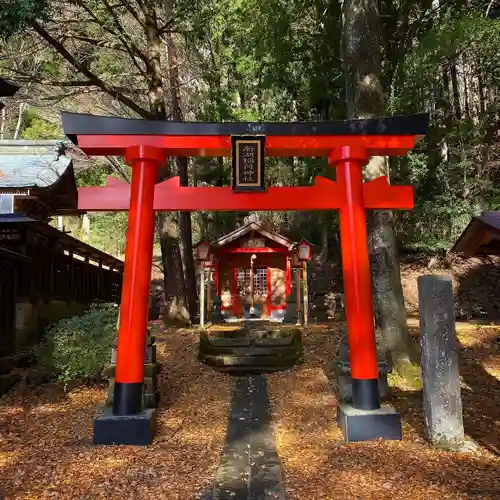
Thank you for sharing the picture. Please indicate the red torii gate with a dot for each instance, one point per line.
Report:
(145, 145)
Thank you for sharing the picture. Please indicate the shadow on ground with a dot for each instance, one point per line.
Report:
(45, 437)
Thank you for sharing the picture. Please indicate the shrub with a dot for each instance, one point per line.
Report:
(78, 347)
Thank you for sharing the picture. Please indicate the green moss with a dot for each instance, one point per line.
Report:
(406, 376)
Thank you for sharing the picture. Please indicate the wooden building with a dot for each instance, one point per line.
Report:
(480, 237)
(253, 271)
(45, 274)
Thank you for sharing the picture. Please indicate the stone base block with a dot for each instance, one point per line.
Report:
(136, 430)
(369, 425)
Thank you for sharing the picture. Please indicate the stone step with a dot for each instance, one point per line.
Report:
(275, 342)
(228, 342)
(250, 351)
(253, 362)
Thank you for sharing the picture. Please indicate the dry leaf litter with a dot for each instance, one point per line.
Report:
(45, 437)
(46, 450)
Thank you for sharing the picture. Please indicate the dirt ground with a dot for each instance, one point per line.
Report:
(45, 432)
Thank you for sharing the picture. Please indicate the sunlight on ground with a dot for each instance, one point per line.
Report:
(317, 464)
(45, 449)
(45, 436)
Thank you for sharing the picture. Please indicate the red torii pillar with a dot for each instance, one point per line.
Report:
(129, 376)
(357, 278)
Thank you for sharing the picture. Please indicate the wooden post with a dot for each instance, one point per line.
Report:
(86, 280)
(209, 293)
(252, 291)
(306, 293)
(202, 294)
(298, 284)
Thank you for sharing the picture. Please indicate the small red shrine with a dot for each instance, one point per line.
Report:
(252, 271)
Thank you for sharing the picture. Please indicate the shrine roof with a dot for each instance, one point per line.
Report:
(30, 164)
(43, 169)
(248, 228)
(86, 124)
(481, 236)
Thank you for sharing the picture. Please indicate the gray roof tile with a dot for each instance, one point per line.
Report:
(29, 164)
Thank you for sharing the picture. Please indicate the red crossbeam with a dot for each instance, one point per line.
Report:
(276, 146)
(171, 197)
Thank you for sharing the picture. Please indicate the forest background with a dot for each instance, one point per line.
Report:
(224, 60)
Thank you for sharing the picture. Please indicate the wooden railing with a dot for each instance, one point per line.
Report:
(60, 275)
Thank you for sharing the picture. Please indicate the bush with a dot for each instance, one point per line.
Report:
(77, 347)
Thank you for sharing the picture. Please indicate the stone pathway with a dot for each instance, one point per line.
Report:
(249, 468)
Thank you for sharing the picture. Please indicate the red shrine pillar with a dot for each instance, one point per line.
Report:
(129, 377)
(357, 279)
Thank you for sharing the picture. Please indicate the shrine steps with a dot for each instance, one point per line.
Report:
(250, 350)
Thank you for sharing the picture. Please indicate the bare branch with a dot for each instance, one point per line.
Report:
(131, 48)
(98, 82)
(132, 11)
(118, 167)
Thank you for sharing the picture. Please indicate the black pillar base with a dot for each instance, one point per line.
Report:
(127, 398)
(135, 429)
(365, 394)
(369, 425)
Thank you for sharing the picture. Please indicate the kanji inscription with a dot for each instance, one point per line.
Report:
(248, 163)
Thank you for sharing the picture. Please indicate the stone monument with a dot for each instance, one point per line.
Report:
(440, 371)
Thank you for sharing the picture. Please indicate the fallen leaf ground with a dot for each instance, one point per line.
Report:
(45, 437)
(45, 434)
(317, 464)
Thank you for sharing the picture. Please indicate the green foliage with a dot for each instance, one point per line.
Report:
(108, 231)
(453, 72)
(15, 15)
(38, 128)
(281, 61)
(78, 347)
(95, 176)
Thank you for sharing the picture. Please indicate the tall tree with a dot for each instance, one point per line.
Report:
(185, 225)
(115, 50)
(365, 99)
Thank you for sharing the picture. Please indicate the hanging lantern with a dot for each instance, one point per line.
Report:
(304, 249)
(202, 251)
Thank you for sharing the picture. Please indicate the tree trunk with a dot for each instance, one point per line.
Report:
(456, 91)
(19, 120)
(361, 54)
(176, 309)
(185, 226)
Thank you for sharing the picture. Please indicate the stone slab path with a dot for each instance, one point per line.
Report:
(249, 468)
